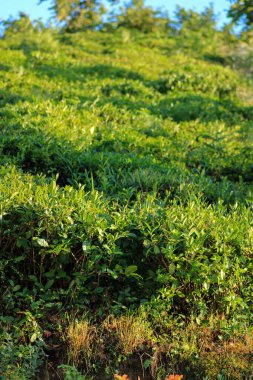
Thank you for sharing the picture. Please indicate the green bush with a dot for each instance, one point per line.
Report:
(125, 187)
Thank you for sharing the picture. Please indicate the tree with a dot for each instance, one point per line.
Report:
(21, 24)
(194, 21)
(241, 11)
(138, 16)
(75, 15)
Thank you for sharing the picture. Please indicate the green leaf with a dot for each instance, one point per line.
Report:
(146, 243)
(130, 270)
(16, 288)
(49, 284)
(147, 363)
(22, 243)
(156, 250)
(41, 242)
(172, 268)
(19, 258)
(86, 246)
(33, 337)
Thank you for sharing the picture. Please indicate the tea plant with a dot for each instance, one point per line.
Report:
(125, 197)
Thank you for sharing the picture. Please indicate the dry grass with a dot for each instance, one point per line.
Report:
(234, 355)
(81, 336)
(130, 332)
(193, 350)
(205, 352)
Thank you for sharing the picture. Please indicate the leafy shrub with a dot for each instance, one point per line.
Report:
(125, 190)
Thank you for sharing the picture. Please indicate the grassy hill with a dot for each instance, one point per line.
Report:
(126, 228)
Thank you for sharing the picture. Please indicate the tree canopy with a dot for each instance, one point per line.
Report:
(78, 14)
(138, 16)
(241, 11)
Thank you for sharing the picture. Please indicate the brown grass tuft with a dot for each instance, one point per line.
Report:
(81, 336)
(130, 332)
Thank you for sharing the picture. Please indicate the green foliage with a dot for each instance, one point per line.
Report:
(19, 360)
(125, 186)
(82, 14)
(195, 21)
(140, 17)
(78, 14)
(241, 11)
(22, 24)
(195, 29)
(71, 373)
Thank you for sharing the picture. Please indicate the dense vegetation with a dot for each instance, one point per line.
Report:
(126, 227)
(241, 10)
(76, 15)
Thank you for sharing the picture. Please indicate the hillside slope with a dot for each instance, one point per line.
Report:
(126, 193)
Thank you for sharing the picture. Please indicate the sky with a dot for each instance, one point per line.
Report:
(35, 11)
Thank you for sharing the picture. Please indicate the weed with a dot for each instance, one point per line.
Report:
(131, 332)
(81, 336)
